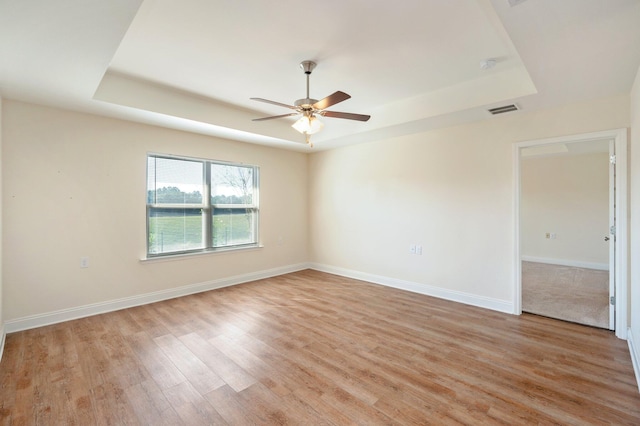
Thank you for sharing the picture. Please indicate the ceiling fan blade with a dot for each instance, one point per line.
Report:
(332, 99)
(273, 103)
(275, 116)
(347, 115)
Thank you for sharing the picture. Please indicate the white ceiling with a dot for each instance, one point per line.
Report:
(412, 65)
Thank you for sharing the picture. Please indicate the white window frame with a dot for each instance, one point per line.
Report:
(207, 208)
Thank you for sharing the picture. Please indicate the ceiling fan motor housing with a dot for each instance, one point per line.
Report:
(305, 103)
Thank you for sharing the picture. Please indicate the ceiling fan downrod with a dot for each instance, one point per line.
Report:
(306, 103)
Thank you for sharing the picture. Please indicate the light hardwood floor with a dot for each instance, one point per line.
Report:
(312, 348)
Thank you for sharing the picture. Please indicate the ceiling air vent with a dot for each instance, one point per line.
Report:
(503, 109)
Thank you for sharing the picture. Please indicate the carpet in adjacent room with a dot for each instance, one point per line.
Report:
(568, 293)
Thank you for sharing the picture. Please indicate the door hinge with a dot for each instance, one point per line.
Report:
(612, 230)
(612, 300)
(612, 159)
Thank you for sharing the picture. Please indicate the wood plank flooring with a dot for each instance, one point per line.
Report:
(315, 349)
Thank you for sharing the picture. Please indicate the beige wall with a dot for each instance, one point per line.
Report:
(449, 190)
(74, 185)
(634, 172)
(569, 197)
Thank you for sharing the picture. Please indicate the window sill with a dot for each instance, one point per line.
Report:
(181, 256)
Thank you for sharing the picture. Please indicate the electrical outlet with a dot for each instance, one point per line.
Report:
(84, 262)
(419, 250)
(412, 249)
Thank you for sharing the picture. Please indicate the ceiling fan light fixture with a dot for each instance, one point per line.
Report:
(308, 125)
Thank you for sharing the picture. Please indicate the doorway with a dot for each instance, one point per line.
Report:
(609, 255)
(564, 215)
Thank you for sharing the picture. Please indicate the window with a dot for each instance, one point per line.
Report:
(196, 205)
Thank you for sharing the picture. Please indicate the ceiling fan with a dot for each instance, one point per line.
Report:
(309, 108)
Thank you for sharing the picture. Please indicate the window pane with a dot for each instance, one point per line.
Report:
(172, 181)
(231, 184)
(172, 230)
(233, 227)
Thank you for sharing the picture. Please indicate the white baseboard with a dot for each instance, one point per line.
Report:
(49, 318)
(566, 262)
(452, 295)
(635, 357)
(3, 337)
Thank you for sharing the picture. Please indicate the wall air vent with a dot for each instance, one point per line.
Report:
(503, 109)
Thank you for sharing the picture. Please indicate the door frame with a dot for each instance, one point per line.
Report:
(619, 136)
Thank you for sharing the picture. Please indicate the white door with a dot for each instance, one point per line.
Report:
(612, 235)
